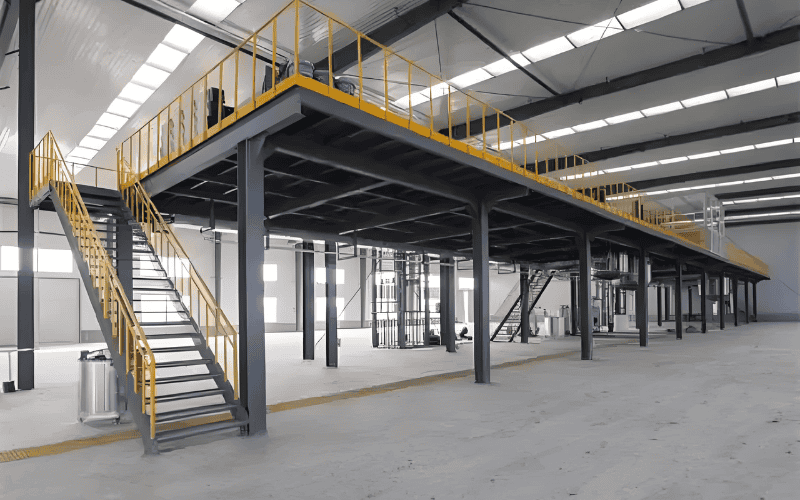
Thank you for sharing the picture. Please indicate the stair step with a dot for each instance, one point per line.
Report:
(186, 378)
(176, 335)
(184, 362)
(151, 289)
(168, 436)
(180, 396)
(165, 323)
(185, 348)
(176, 415)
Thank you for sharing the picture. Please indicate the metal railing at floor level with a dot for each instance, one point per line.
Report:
(48, 170)
(388, 86)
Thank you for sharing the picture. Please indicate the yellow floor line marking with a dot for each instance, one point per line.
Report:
(77, 444)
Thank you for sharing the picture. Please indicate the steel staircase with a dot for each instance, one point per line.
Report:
(511, 323)
(178, 363)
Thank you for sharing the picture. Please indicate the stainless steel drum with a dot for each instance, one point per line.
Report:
(98, 388)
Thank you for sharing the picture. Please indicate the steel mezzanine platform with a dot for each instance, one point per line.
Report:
(342, 174)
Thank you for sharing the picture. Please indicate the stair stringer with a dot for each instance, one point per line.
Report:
(134, 400)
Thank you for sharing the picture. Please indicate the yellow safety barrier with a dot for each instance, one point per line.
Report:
(221, 336)
(402, 93)
(48, 170)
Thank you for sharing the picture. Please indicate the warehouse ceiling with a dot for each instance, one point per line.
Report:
(88, 50)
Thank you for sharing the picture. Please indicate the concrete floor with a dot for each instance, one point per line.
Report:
(53, 405)
(712, 416)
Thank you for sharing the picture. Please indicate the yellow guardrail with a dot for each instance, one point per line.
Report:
(48, 170)
(300, 33)
(221, 336)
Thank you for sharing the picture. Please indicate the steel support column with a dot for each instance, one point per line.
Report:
(447, 298)
(747, 302)
(298, 287)
(659, 305)
(679, 301)
(667, 303)
(400, 291)
(26, 118)
(480, 274)
(524, 316)
(426, 272)
(735, 304)
(573, 304)
(755, 302)
(584, 292)
(251, 232)
(308, 300)
(721, 303)
(331, 315)
(124, 258)
(362, 286)
(374, 283)
(690, 301)
(641, 300)
(703, 300)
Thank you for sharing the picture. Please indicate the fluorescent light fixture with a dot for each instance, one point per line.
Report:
(760, 179)
(704, 155)
(183, 38)
(705, 99)
(645, 165)
(737, 150)
(590, 126)
(213, 11)
(559, 133)
(123, 108)
(596, 32)
(751, 87)
(787, 176)
(92, 143)
(84, 153)
(166, 58)
(624, 118)
(664, 108)
(650, 12)
(471, 78)
(101, 132)
(548, 49)
(731, 183)
(673, 160)
(773, 144)
(617, 169)
(790, 78)
(691, 3)
(150, 77)
(135, 93)
(112, 121)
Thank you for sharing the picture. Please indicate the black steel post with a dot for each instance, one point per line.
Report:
(747, 302)
(251, 232)
(26, 120)
(447, 277)
(573, 304)
(679, 301)
(667, 302)
(212, 222)
(308, 284)
(400, 290)
(374, 281)
(703, 300)
(585, 294)
(641, 300)
(426, 271)
(362, 286)
(480, 274)
(755, 302)
(124, 254)
(524, 316)
(331, 315)
(659, 305)
(721, 304)
(298, 286)
(690, 300)
(735, 302)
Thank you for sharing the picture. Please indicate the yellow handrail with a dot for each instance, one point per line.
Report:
(505, 146)
(48, 170)
(201, 303)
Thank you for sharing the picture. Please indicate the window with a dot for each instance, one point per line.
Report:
(466, 283)
(45, 260)
(270, 272)
(270, 309)
(319, 275)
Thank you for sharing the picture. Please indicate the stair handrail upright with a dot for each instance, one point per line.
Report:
(48, 171)
(185, 276)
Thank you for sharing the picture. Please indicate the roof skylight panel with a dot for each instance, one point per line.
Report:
(673, 160)
(660, 110)
(183, 39)
(635, 115)
(150, 76)
(213, 10)
(123, 108)
(166, 57)
(704, 155)
(135, 93)
(737, 150)
(772, 144)
(471, 78)
(603, 29)
(83, 153)
(590, 126)
(751, 87)
(559, 133)
(548, 49)
(647, 13)
(112, 121)
(102, 132)
(788, 79)
(92, 143)
(705, 99)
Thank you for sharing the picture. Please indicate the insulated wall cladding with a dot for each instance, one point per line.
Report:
(778, 245)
